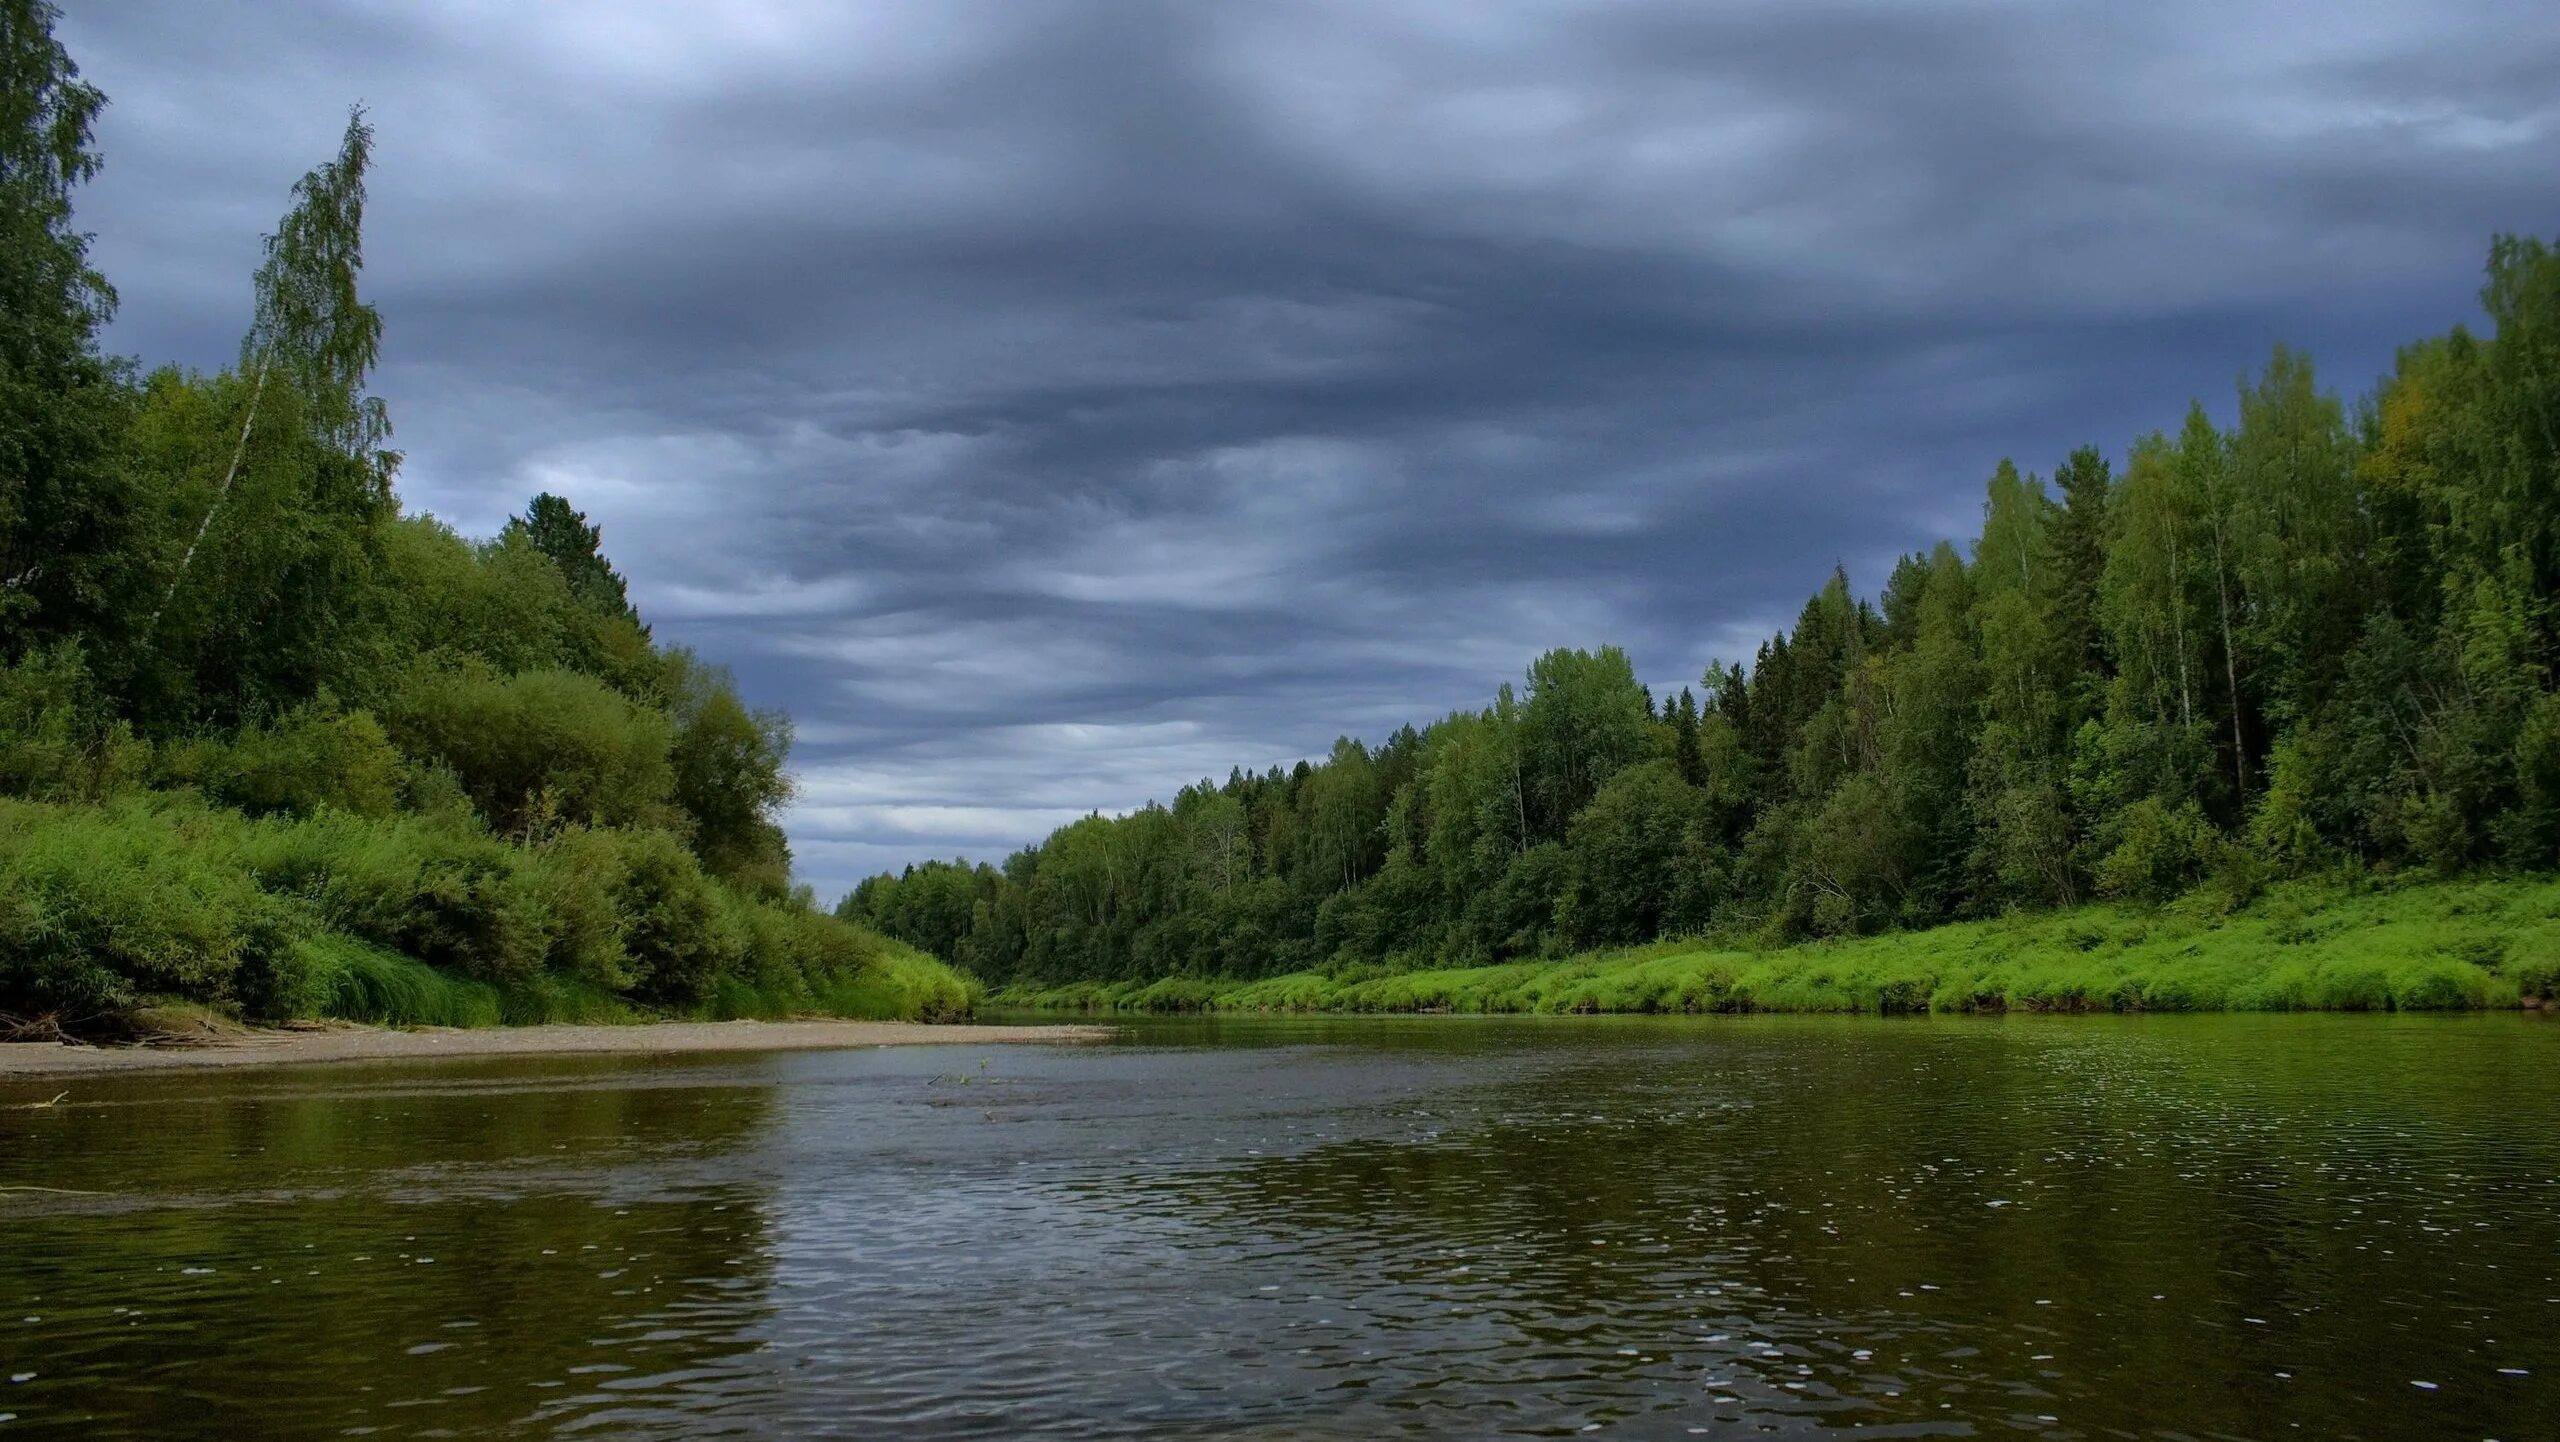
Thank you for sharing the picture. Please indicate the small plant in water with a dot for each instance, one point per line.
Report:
(967, 1078)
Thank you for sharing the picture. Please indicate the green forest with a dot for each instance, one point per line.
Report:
(2312, 649)
(270, 744)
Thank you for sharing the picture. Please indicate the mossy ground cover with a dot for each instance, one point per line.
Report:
(2305, 946)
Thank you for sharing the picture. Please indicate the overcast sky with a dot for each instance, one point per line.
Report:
(1049, 403)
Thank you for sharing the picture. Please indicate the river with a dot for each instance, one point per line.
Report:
(2192, 1227)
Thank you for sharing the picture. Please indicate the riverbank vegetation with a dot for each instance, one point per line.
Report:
(270, 742)
(2301, 946)
(2317, 641)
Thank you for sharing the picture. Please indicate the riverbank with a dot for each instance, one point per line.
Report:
(245, 1046)
(2425, 946)
(149, 899)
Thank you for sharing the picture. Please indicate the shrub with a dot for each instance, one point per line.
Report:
(2534, 831)
(2160, 850)
(313, 757)
(427, 888)
(2283, 827)
(412, 920)
(101, 906)
(577, 878)
(678, 931)
(58, 741)
(2439, 984)
(540, 748)
(2537, 975)
(2434, 827)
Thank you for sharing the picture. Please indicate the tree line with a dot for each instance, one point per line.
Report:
(256, 718)
(2322, 638)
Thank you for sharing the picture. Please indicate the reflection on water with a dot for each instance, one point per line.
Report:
(2205, 1227)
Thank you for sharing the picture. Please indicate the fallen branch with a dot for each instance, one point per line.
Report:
(31, 1028)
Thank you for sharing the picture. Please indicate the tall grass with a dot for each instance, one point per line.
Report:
(902, 983)
(2307, 946)
(365, 983)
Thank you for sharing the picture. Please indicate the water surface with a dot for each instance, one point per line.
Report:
(1428, 1227)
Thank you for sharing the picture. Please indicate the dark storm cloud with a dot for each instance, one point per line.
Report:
(1050, 403)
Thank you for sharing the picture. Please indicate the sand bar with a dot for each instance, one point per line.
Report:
(367, 1043)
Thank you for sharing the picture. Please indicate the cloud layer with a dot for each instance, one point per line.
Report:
(1049, 403)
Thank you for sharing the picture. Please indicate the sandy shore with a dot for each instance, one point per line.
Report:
(364, 1043)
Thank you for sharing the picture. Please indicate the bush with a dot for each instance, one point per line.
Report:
(427, 888)
(414, 921)
(2435, 830)
(58, 741)
(2160, 851)
(577, 878)
(541, 748)
(2537, 976)
(101, 906)
(314, 757)
(679, 933)
(2283, 827)
(2439, 984)
(2534, 831)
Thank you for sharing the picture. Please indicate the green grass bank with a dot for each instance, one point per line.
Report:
(2308, 946)
(109, 911)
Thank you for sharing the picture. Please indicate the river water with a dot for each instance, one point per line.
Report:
(2331, 1227)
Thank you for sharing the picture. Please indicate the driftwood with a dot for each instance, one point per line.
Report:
(31, 1028)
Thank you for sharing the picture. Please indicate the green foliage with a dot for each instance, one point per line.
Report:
(409, 919)
(869, 976)
(540, 748)
(2301, 947)
(366, 983)
(59, 739)
(316, 756)
(101, 905)
(430, 888)
(312, 328)
(728, 777)
(934, 905)
(503, 603)
(2534, 830)
(678, 929)
(562, 534)
(1587, 717)
(1624, 851)
(264, 543)
(2160, 850)
(67, 511)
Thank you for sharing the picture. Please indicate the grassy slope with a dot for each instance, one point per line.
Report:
(107, 910)
(2304, 946)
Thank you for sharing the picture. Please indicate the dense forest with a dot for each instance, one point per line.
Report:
(2319, 641)
(268, 741)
